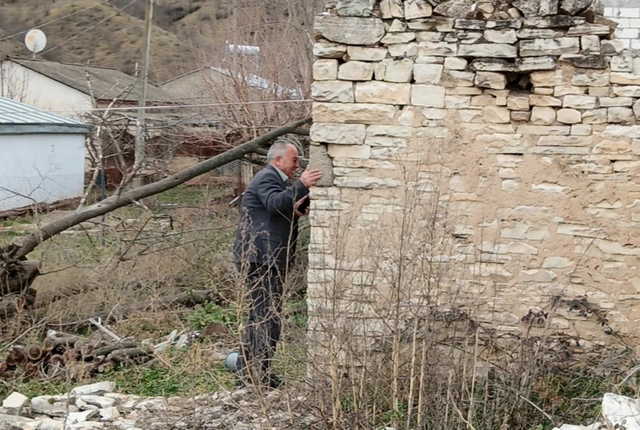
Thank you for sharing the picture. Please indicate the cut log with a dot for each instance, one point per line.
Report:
(17, 357)
(34, 352)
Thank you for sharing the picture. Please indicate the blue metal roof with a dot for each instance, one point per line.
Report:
(17, 117)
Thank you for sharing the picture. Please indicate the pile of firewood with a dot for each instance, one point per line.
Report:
(72, 356)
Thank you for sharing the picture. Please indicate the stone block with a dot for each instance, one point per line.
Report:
(564, 90)
(590, 78)
(455, 9)
(457, 102)
(569, 116)
(355, 7)
(544, 47)
(427, 95)
(590, 44)
(574, 7)
(329, 50)
(394, 38)
(599, 91)
(539, 100)
(532, 64)
(14, 404)
(399, 26)
(589, 29)
(347, 151)
(429, 36)
(618, 115)
(343, 134)
(594, 116)
(540, 33)
(622, 63)
(440, 24)
(518, 103)
(625, 78)
(492, 80)
(483, 100)
(497, 24)
(325, 69)
(383, 92)
(399, 71)
(470, 24)
(543, 115)
(427, 73)
(349, 30)
(492, 65)
(361, 53)
(500, 36)
(455, 63)
(579, 102)
(627, 91)
(354, 113)
(551, 78)
(391, 9)
(496, 114)
(636, 109)
(490, 50)
(403, 50)
(540, 130)
(558, 21)
(594, 61)
(442, 49)
(414, 9)
(573, 141)
(471, 115)
(611, 47)
(581, 130)
(332, 91)
(521, 116)
(355, 71)
(457, 78)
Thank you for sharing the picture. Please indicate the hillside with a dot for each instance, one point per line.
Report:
(103, 35)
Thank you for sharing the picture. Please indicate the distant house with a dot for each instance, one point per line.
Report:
(42, 156)
(213, 84)
(68, 88)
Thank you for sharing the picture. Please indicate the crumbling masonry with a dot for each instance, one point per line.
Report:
(482, 160)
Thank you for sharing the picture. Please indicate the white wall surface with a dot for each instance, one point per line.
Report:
(40, 168)
(26, 86)
(627, 14)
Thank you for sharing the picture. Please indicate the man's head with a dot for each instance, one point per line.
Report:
(285, 157)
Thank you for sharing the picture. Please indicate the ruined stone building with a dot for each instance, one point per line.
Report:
(482, 165)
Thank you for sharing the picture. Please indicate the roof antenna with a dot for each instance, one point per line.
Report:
(35, 40)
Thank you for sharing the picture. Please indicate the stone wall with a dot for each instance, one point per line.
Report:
(482, 163)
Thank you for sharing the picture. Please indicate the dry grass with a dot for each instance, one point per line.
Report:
(117, 42)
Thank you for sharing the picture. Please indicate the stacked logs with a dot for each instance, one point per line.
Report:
(72, 356)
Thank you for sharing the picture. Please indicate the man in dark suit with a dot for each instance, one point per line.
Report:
(263, 251)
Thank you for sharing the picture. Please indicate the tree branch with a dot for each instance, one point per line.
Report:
(30, 242)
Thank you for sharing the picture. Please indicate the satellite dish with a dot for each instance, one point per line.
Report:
(35, 40)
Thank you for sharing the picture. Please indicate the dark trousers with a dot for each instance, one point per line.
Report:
(263, 328)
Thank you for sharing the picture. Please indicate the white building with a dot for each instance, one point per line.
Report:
(42, 156)
(627, 14)
(70, 89)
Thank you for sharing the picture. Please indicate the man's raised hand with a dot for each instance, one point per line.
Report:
(310, 177)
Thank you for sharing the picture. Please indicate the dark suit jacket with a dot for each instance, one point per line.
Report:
(268, 227)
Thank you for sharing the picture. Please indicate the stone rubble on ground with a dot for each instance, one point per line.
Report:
(97, 406)
(619, 412)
